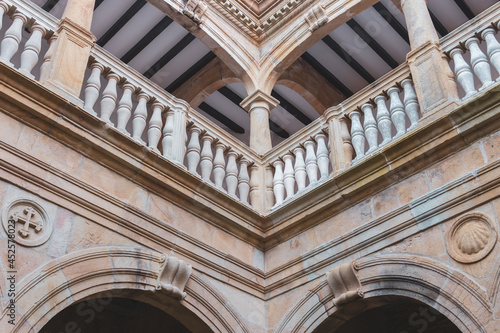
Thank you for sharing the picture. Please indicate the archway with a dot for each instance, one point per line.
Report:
(124, 272)
(113, 314)
(388, 315)
(423, 280)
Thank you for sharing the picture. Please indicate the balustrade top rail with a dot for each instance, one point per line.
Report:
(480, 22)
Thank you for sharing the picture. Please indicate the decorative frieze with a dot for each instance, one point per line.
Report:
(31, 222)
(344, 283)
(173, 276)
(471, 238)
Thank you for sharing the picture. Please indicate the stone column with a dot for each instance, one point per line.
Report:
(341, 150)
(434, 80)
(66, 69)
(259, 106)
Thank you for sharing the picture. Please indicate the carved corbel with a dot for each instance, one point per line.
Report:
(194, 9)
(344, 283)
(316, 17)
(173, 276)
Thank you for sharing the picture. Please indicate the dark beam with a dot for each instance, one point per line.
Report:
(222, 118)
(438, 25)
(147, 39)
(326, 74)
(121, 22)
(49, 5)
(392, 20)
(236, 99)
(335, 47)
(291, 109)
(465, 9)
(389, 60)
(191, 72)
(169, 55)
(98, 3)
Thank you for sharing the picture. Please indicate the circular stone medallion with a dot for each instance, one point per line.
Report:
(471, 238)
(32, 227)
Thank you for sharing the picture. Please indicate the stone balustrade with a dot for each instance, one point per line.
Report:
(125, 100)
(299, 163)
(218, 159)
(474, 53)
(29, 33)
(381, 113)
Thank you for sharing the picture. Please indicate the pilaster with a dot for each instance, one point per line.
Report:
(66, 70)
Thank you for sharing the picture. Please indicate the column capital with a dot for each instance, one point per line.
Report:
(259, 97)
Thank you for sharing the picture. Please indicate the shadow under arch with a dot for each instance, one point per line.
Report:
(421, 279)
(85, 274)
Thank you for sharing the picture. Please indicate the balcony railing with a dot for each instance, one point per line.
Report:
(153, 117)
(23, 50)
(127, 102)
(474, 52)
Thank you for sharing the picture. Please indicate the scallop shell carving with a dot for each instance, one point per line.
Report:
(471, 238)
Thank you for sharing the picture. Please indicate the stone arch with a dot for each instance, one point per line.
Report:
(84, 274)
(208, 80)
(300, 77)
(421, 279)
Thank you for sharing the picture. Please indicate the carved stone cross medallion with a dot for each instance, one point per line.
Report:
(32, 225)
(29, 218)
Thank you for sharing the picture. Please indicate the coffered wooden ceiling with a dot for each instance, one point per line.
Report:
(354, 55)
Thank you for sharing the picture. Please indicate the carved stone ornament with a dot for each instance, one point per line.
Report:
(194, 9)
(32, 224)
(316, 17)
(471, 238)
(344, 283)
(173, 276)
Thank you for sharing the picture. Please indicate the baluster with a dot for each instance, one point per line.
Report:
(219, 165)
(140, 115)
(155, 123)
(244, 181)
(93, 86)
(383, 119)
(463, 72)
(370, 125)
(31, 52)
(193, 150)
(492, 48)
(3, 9)
(109, 96)
(300, 168)
(347, 146)
(125, 108)
(288, 176)
(311, 162)
(278, 183)
(398, 115)
(357, 134)
(12, 38)
(207, 157)
(168, 135)
(45, 67)
(322, 155)
(479, 62)
(231, 173)
(411, 103)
